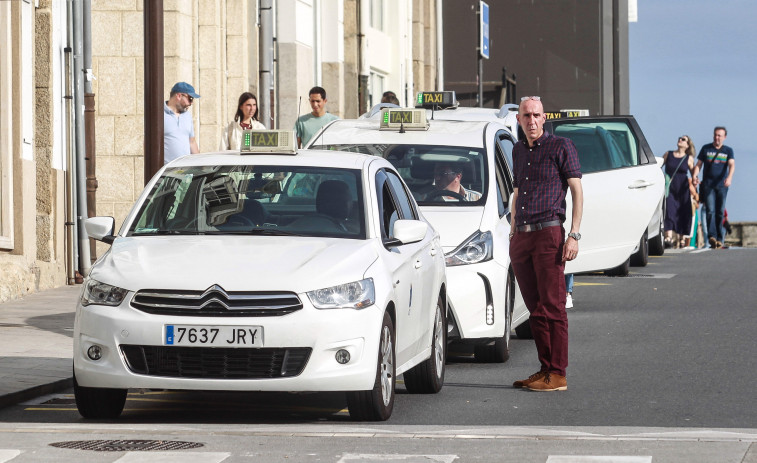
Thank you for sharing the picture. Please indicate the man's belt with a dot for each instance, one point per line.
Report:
(537, 226)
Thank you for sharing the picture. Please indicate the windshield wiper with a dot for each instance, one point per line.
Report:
(167, 232)
(255, 231)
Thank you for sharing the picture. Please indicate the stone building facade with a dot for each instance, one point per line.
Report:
(356, 49)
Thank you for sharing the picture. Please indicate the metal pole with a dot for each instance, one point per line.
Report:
(480, 71)
(266, 61)
(72, 248)
(81, 168)
(153, 39)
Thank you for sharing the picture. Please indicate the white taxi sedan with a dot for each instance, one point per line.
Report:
(474, 221)
(274, 272)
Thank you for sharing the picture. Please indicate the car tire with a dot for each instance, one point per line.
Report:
(377, 404)
(641, 257)
(657, 243)
(621, 270)
(96, 402)
(499, 350)
(428, 376)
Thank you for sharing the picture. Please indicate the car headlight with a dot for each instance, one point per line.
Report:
(99, 293)
(355, 295)
(477, 248)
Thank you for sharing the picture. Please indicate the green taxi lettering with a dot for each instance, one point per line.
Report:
(404, 117)
(265, 139)
(432, 97)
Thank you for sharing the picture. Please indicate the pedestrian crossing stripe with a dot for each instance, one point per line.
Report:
(8, 454)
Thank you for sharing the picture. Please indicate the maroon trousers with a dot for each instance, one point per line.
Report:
(537, 262)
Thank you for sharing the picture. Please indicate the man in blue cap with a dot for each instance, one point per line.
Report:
(178, 128)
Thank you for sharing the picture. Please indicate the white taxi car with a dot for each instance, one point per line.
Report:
(268, 272)
(623, 186)
(474, 222)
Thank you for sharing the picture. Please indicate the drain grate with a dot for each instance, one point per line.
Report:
(126, 445)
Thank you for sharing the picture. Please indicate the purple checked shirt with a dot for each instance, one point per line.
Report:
(541, 177)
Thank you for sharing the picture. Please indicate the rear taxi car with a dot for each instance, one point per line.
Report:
(473, 221)
(623, 186)
(280, 271)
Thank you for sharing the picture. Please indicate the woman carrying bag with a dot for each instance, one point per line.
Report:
(679, 191)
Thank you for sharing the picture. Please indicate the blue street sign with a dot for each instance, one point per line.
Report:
(484, 28)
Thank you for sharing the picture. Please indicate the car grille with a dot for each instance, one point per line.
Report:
(217, 302)
(216, 363)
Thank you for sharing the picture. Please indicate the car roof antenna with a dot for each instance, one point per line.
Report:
(402, 127)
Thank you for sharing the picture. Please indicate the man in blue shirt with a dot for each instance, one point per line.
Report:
(717, 174)
(178, 128)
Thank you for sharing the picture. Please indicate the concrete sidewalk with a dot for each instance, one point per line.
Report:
(36, 344)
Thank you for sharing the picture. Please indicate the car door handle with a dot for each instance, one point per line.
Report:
(642, 184)
(418, 264)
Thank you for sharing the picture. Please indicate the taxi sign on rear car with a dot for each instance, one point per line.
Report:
(268, 141)
(436, 100)
(403, 118)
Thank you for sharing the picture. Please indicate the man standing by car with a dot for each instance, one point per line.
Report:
(717, 174)
(545, 166)
(178, 128)
(309, 124)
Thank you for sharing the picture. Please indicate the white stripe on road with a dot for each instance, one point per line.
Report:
(597, 459)
(376, 458)
(8, 454)
(172, 457)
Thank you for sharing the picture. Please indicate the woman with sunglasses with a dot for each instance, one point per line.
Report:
(245, 118)
(677, 164)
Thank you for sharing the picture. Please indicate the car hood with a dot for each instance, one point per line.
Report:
(236, 263)
(454, 224)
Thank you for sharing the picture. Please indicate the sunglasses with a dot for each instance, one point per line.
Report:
(683, 139)
(439, 174)
(190, 98)
(535, 98)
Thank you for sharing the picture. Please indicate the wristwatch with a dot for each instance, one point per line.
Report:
(575, 236)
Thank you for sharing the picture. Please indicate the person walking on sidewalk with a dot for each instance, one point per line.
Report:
(178, 128)
(309, 124)
(717, 175)
(545, 166)
(677, 165)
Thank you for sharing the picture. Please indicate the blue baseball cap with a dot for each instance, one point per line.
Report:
(183, 87)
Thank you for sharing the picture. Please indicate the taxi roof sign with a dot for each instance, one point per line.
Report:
(436, 100)
(403, 118)
(268, 141)
(566, 113)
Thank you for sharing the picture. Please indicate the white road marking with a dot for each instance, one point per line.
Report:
(597, 459)
(384, 458)
(172, 457)
(8, 454)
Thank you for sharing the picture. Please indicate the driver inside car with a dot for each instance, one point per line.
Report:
(447, 176)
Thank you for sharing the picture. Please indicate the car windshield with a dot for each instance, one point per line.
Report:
(254, 200)
(436, 175)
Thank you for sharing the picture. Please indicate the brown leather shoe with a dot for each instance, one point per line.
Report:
(525, 382)
(550, 382)
(718, 244)
(713, 242)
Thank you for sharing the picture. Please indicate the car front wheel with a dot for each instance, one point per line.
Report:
(96, 402)
(377, 404)
(428, 376)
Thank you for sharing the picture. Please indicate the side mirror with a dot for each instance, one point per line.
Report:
(100, 228)
(410, 231)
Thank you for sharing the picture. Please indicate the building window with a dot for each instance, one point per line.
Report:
(376, 88)
(377, 14)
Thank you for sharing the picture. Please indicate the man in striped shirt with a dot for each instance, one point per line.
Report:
(545, 166)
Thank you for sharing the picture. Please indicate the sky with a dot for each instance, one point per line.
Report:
(693, 66)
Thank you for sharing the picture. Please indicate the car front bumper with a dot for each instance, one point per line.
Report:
(324, 332)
